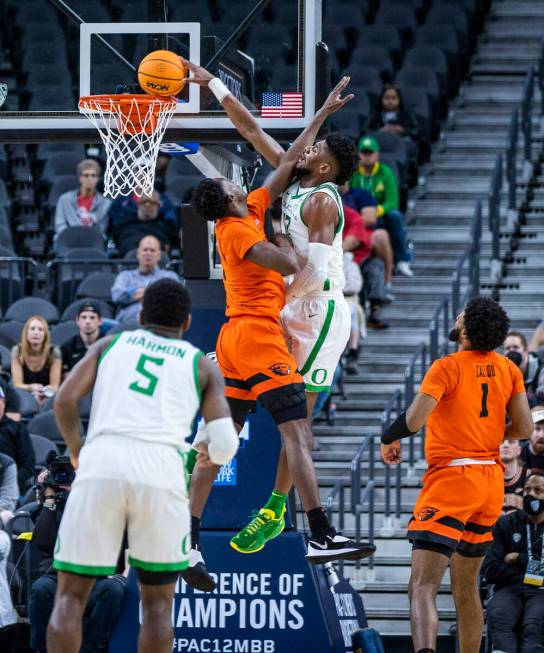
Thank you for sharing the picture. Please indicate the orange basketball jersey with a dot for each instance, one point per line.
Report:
(251, 289)
(473, 389)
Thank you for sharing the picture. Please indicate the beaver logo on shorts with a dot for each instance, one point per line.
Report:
(281, 369)
(426, 513)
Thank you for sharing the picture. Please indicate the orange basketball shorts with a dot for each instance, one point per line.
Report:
(457, 508)
(256, 364)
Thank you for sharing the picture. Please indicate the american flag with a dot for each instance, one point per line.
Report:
(282, 105)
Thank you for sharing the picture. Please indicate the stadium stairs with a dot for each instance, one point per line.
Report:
(458, 175)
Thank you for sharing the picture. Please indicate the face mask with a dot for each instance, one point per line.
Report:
(515, 357)
(532, 506)
(453, 335)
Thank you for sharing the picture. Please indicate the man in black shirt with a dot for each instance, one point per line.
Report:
(88, 320)
(515, 565)
(532, 452)
(15, 443)
(514, 475)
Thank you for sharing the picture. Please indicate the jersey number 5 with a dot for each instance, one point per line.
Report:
(485, 391)
(150, 383)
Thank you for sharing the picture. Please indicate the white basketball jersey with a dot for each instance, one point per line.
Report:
(146, 388)
(292, 224)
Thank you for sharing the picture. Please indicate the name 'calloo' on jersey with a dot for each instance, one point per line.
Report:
(147, 388)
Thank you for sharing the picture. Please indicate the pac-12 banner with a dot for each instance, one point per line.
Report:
(270, 602)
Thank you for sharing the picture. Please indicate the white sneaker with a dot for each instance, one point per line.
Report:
(404, 269)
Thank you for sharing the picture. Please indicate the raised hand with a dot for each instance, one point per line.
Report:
(335, 101)
(200, 75)
(391, 454)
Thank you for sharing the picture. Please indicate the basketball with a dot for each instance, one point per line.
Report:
(161, 73)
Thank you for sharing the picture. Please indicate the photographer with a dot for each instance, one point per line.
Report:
(52, 492)
(515, 565)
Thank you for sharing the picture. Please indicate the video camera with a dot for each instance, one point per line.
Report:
(60, 475)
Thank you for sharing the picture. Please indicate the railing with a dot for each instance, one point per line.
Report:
(527, 121)
(472, 255)
(419, 358)
(440, 323)
(494, 216)
(393, 405)
(511, 159)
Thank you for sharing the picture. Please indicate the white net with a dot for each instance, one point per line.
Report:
(3, 93)
(131, 128)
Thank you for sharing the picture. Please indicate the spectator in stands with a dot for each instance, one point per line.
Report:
(9, 489)
(124, 211)
(358, 240)
(15, 443)
(391, 116)
(8, 615)
(129, 286)
(530, 365)
(88, 320)
(361, 200)
(106, 597)
(379, 179)
(352, 287)
(13, 402)
(36, 365)
(537, 340)
(532, 452)
(129, 228)
(86, 206)
(515, 565)
(514, 474)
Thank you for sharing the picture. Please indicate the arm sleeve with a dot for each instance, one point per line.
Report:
(121, 292)
(440, 379)
(9, 490)
(391, 192)
(24, 457)
(495, 569)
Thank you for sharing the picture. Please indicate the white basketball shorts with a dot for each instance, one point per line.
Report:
(123, 482)
(317, 331)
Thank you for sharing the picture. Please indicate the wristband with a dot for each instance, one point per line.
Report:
(397, 430)
(219, 89)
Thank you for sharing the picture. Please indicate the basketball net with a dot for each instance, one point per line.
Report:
(131, 128)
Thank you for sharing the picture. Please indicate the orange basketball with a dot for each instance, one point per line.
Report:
(161, 73)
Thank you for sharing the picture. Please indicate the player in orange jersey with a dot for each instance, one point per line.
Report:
(464, 397)
(251, 349)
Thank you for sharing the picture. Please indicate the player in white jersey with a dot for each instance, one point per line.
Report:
(148, 386)
(316, 316)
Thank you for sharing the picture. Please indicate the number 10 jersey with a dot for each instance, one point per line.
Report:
(146, 388)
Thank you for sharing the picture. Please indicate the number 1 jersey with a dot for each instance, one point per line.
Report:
(146, 388)
(473, 389)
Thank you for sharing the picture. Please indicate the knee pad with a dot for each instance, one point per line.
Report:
(287, 403)
(240, 408)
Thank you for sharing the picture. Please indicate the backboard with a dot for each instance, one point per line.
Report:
(62, 49)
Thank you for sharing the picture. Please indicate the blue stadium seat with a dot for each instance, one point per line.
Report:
(385, 36)
(26, 307)
(376, 57)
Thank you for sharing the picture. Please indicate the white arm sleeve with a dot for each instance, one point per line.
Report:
(222, 440)
(312, 277)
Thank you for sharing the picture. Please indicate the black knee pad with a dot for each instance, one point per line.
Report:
(287, 403)
(240, 408)
(156, 578)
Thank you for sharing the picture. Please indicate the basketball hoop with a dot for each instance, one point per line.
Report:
(131, 128)
(3, 93)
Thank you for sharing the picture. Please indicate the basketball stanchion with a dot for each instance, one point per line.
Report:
(131, 128)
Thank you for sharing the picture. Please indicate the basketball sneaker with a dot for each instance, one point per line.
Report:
(334, 546)
(263, 527)
(196, 575)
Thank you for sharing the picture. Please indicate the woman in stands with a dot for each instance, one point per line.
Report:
(35, 364)
(391, 116)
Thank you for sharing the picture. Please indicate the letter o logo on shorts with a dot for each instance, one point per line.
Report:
(318, 376)
(186, 544)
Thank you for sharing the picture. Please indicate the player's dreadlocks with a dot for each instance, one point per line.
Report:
(166, 303)
(344, 151)
(209, 200)
(486, 323)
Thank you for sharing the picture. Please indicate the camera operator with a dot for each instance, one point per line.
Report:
(515, 565)
(104, 604)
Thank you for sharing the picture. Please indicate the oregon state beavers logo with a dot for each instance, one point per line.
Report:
(281, 369)
(426, 513)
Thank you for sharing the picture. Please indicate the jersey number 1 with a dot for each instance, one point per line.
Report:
(485, 391)
(150, 383)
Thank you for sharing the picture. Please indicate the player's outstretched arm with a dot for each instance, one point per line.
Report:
(78, 383)
(219, 441)
(240, 117)
(521, 425)
(280, 256)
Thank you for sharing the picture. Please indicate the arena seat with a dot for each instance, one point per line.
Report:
(10, 333)
(5, 359)
(97, 285)
(28, 406)
(44, 424)
(77, 238)
(60, 163)
(26, 307)
(62, 331)
(70, 312)
(42, 447)
(403, 18)
(375, 56)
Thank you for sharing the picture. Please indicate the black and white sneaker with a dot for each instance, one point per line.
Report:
(196, 575)
(335, 546)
